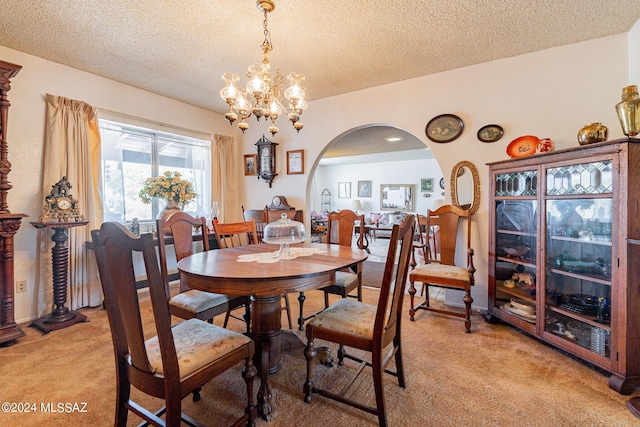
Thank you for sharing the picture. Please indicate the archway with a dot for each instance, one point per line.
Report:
(369, 154)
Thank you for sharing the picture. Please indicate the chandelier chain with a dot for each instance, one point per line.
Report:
(266, 44)
(263, 95)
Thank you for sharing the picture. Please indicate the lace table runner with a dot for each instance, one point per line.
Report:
(270, 257)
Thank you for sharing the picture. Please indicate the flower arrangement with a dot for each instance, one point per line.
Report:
(170, 186)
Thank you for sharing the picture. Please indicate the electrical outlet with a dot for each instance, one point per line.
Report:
(21, 286)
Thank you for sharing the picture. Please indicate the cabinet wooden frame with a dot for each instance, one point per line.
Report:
(295, 162)
(531, 182)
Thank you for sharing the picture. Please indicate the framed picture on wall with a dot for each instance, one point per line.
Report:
(426, 184)
(344, 190)
(250, 161)
(364, 188)
(295, 162)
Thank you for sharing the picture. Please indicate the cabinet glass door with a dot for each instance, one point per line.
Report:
(579, 253)
(515, 270)
(516, 240)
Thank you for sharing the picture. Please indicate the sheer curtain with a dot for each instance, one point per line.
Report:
(224, 179)
(72, 149)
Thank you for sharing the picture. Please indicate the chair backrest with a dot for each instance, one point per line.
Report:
(428, 230)
(234, 234)
(180, 226)
(114, 248)
(448, 217)
(260, 219)
(389, 313)
(340, 227)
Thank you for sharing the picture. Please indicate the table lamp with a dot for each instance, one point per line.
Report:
(356, 205)
(436, 204)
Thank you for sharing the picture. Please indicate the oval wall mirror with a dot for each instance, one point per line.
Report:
(465, 186)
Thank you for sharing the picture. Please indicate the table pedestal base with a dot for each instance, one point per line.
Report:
(52, 322)
(266, 332)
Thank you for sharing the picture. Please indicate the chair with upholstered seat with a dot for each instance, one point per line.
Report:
(234, 234)
(179, 359)
(445, 273)
(191, 303)
(367, 327)
(340, 226)
(428, 242)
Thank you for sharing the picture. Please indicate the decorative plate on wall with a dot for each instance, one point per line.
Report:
(444, 128)
(523, 146)
(490, 133)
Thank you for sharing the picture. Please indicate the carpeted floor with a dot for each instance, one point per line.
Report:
(494, 376)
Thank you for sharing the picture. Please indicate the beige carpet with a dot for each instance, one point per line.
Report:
(494, 376)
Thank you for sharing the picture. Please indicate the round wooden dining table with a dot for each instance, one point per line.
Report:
(220, 271)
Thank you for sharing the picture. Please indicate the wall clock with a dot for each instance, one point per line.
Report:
(280, 203)
(266, 160)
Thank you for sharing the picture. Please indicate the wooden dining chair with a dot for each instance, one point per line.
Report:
(421, 240)
(179, 359)
(427, 242)
(258, 216)
(340, 226)
(236, 234)
(445, 273)
(367, 327)
(191, 303)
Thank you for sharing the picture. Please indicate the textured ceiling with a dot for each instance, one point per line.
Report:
(181, 49)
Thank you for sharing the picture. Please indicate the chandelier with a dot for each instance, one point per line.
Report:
(262, 96)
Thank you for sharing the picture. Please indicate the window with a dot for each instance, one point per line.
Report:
(131, 154)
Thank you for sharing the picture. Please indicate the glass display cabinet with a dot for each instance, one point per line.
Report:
(564, 252)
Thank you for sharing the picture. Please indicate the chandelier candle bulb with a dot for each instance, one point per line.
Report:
(263, 96)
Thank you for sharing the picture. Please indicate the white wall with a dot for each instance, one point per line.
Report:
(398, 172)
(634, 58)
(551, 93)
(25, 137)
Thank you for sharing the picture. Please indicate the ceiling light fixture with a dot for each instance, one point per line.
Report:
(394, 139)
(263, 96)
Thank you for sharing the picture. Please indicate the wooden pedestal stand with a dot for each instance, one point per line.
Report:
(60, 316)
(9, 222)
